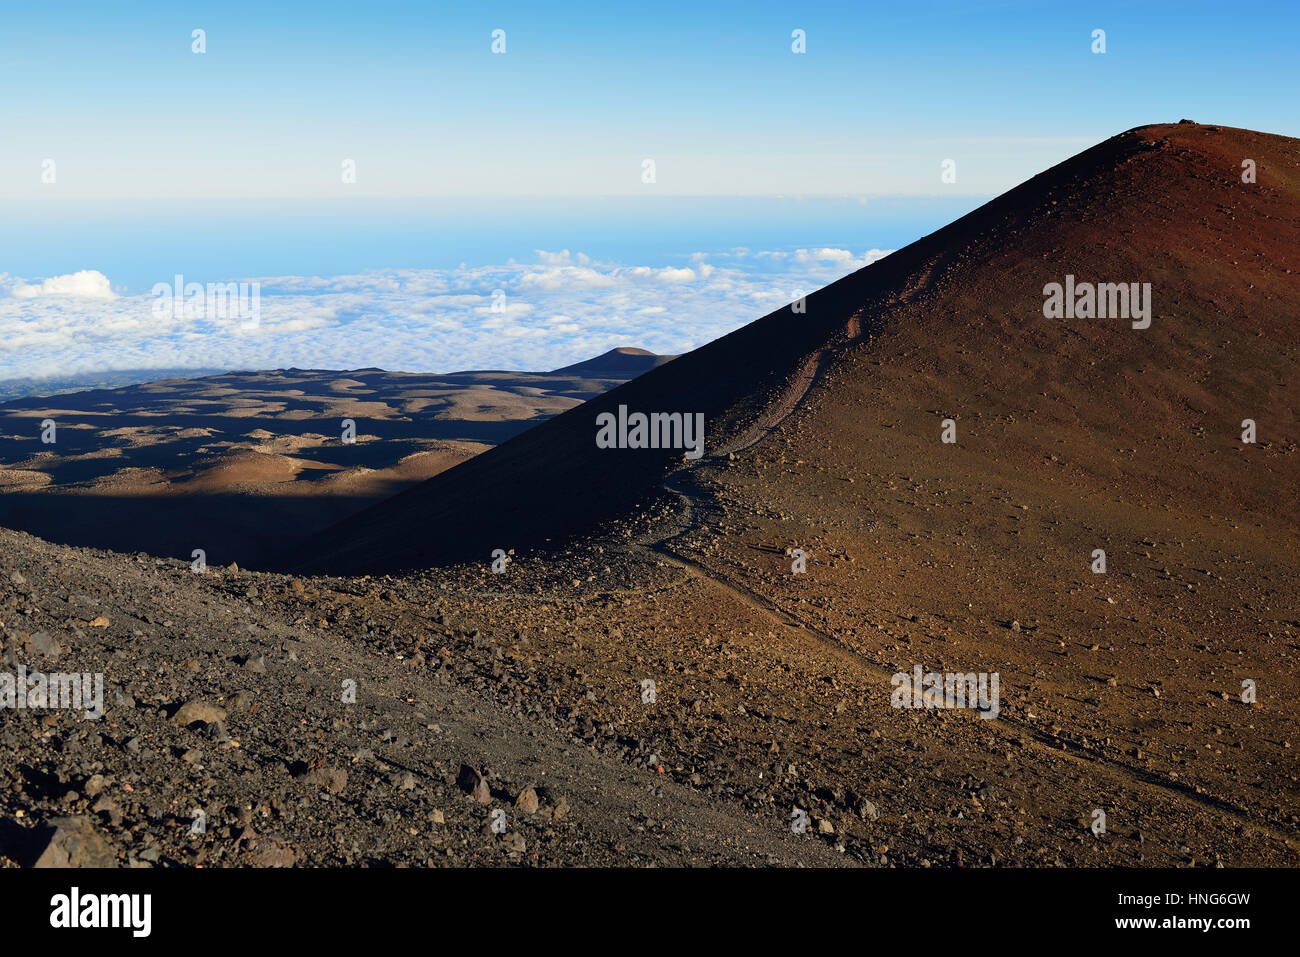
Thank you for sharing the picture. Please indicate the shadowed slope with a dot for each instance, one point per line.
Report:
(961, 309)
(242, 463)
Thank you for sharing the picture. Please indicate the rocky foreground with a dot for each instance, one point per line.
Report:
(505, 719)
(224, 693)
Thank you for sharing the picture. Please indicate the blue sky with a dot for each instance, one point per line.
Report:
(586, 91)
(227, 164)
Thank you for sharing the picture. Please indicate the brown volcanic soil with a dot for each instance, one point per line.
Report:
(245, 463)
(956, 319)
(287, 773)
(1118, 691)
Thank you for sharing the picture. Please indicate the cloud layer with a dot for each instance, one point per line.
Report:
(87, 284)
(562, 308)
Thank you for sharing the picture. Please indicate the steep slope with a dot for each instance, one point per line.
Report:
(1157, 688)
(956, 319)
(1173, 664)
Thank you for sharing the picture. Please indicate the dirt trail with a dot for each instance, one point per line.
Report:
(1028, 732)
(687, 486)
(789, 398)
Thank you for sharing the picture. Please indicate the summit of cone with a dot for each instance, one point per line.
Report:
(952, 327)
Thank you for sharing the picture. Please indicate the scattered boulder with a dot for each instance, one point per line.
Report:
(108, 807)
(474, 784)
(75, 842)
(268, 852)
(45, 645)
(216, 731)
(527, 801)
(333, 780)
(198, 711)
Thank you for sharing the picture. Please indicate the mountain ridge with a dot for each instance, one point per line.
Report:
(733, 379)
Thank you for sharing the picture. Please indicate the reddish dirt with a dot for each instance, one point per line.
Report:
(1121, 690)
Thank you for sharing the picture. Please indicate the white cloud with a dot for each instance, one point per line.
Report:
(562, 309)
(562, 258)
(87, 284)
(842, 258)
(567, 277)
(823, 255)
